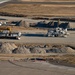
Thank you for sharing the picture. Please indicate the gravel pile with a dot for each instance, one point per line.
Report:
(7, 48)
(70, 50)
(38, 50)
(61, 50)
(55, 50)
(21, 50)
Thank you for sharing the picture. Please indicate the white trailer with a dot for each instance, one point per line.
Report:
(8, 35)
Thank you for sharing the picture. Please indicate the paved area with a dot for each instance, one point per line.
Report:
(33, 68)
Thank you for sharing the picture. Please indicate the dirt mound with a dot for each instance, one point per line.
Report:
(38, 50)
(21, 50)
(7, 48)
(66, 50)
(55, 50)
(60, 50)
(70, 50)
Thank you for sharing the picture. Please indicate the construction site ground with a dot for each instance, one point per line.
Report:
(33, 68)
(39, 36)
(32, 36)
(38, 9)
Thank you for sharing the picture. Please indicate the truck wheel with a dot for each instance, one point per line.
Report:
(18, 38)
(52, 35)
(56, 35)
(65, 36)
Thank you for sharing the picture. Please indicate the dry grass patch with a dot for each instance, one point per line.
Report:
(38, 10)
(67, 60)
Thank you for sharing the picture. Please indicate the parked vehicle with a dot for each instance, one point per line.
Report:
(57, 32)
(6, 32)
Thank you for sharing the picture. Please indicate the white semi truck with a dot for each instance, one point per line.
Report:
(57, 32)
(6, 32)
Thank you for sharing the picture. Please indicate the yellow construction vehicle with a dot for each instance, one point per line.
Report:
(5, 28)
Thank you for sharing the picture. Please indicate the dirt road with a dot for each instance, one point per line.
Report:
(42, 40)
(33, 68)
(33, 38)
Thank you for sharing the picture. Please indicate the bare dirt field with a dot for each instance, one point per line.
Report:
(38, 10)
(9, 51)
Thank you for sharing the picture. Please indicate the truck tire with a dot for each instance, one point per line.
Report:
(18, 38)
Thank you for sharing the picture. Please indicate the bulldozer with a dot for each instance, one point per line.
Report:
(5, 32)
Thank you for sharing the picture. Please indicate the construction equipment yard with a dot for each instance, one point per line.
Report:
(37, 37)
(41, 39)
(34, 47)
(34, 35)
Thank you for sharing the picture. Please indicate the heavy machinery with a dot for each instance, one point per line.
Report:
(57, 32)
(5, 32)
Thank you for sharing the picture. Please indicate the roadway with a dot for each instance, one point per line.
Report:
(42, 39)
(33, 68)
(45, 40)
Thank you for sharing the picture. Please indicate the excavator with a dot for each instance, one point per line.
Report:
(5, 32)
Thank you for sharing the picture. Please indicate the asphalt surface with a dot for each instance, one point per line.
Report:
(33, 68)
